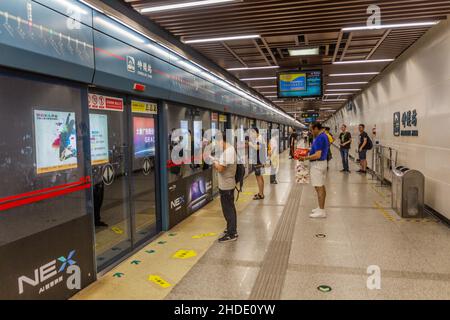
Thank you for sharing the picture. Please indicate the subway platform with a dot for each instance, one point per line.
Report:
(281, 253)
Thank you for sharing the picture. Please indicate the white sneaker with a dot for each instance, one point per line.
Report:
(316, 209)
(318, 214)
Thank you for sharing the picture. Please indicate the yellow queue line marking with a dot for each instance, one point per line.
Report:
(386, 214)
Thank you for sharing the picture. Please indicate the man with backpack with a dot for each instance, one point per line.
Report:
(365, 144)
(345, 139)
(226, 167)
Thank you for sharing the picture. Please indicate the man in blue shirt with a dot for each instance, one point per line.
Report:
(318, 163)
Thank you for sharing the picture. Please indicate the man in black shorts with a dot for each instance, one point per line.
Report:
(362, 151)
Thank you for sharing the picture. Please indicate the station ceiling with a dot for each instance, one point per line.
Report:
(302, 24)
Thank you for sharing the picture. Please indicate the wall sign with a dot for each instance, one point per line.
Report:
(222, 118)
(407, 121)
(100, 102)
(144, 107)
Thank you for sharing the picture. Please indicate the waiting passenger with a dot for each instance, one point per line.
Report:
(292, 143)
(345, 139)
(331, 141)
(259, 147)
(318, 159)
(362, 148)
(226, 167)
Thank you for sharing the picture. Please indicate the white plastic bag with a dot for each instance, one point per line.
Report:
(302, 174)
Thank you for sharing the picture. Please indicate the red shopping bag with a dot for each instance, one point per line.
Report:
(300, 152)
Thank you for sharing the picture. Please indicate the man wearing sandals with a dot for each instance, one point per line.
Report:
(318, 163)
(258, 146)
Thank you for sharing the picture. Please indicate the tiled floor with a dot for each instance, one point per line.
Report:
(360, 231)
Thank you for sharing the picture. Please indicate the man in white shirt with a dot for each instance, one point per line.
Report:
(226, 167)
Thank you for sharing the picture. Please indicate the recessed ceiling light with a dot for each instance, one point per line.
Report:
(222, 39)
(253, 68)
(182, 5)
(353, 74)
(363, 61)
(346, 83)
(263, 78)
(392, 26)
(303, 52)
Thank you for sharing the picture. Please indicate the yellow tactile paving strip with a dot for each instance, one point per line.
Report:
(152, 272)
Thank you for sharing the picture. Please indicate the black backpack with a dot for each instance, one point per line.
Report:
(369, 144)
(239, 178)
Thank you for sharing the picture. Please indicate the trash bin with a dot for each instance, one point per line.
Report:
(408, 192)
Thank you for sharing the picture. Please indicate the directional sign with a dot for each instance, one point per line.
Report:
(147, 167)
(108, 174)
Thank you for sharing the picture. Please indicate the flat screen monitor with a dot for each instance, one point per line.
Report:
(300, 84)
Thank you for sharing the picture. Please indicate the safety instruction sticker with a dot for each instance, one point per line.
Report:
(184, 254)
(159, 281)
(203, 235)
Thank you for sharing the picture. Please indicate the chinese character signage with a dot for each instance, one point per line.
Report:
(405, 124)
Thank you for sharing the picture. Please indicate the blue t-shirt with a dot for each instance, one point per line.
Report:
(321, 143)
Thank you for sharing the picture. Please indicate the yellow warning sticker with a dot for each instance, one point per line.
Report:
(159, 281)
(203, 235)
(117, 230)
(184, 254)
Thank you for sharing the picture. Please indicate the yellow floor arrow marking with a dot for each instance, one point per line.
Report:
(159, 281)
(184, 254)
(117, 230)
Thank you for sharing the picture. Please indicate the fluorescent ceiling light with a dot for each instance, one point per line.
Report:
(339, 90)
(271, 96)
(304, 52)
(222, 39)
(263, 78)
(334, 100)
(264, 87)
(278, 102)
(346, 83)
(392, 26)
(353, 74)
(338, 94)
(182, 5)
(120, 30)
(253, 68)
(364, 61)
(91, 6)
(268, 92)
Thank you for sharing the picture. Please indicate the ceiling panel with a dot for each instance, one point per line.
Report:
(285, 24)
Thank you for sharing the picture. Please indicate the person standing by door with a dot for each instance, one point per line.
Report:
(292, 143)
(226, 167)
(345, 140)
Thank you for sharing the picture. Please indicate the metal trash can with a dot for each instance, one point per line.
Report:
(408, 192)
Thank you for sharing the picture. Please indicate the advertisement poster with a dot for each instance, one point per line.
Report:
(56, 141)
(144, 137)
(99, 138)
(293, 82)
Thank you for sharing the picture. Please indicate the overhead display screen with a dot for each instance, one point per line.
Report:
(56, 140)
(300, 84)
(144, 137)
(99, 138)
